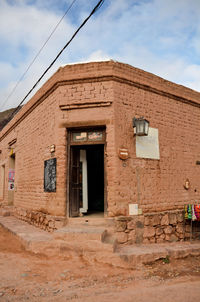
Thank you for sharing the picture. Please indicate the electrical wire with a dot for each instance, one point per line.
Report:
(38, 53)
(99, 4)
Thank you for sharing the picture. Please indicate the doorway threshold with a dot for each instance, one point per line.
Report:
(93, 219)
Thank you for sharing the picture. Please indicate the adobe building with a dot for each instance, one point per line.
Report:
(73, 150)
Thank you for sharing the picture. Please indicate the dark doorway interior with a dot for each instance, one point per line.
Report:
(94, 184)
(95, 170)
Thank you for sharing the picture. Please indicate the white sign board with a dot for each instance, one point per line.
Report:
(148, 146)
(133, 209)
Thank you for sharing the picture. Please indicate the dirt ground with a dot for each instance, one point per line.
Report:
(28, 277)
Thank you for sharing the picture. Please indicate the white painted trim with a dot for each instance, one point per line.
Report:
(83, 159)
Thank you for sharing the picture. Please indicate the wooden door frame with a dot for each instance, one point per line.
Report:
(70, 144)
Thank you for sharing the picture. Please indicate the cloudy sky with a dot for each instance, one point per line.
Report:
(159, 36)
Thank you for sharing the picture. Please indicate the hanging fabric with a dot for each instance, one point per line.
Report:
(189, 209)
(192, 212)
(197, 211)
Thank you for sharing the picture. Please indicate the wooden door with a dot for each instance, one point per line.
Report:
(75, 182)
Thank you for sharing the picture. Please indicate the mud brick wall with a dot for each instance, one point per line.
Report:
(156, 185)
(41, 123)
(152, 228)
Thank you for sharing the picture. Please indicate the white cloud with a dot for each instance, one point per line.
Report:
(160, 36)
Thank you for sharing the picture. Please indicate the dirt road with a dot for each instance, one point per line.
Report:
(27, 277)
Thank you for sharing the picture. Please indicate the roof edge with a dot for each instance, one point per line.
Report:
(98, 69)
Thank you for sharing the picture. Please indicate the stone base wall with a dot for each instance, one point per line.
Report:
(39, 219)
(154, 228)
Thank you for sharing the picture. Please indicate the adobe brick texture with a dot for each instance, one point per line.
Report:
(173, 109)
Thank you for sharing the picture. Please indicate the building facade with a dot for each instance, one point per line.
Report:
(71, 151)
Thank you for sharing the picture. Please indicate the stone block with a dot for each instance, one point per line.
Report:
(51, 224)
(181, 236)
(152, 240)
(120, 226)
(180, 228)
(46, 222)
(149, 232)
(159, 231)
(168, 230)
(122, 237)
(155, 220)
(118, 211)
(172, 218)
(131, 225)
(132, 236)
(162, 236)
(173, 238)
(165, 220)
(146, 220)
(180, 217)
(167, 237)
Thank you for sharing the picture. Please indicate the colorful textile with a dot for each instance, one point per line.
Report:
(186, 212)
(193, 214)
(189, 209)
(197, 211)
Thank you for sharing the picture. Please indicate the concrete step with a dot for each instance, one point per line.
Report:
(33, 239)
(91, 221)
(80, 233)
(149, 253)
(84, 246)
(89, 243)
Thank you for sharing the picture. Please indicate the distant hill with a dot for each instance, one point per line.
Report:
(5, 117)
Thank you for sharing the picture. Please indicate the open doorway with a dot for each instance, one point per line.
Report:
(11, 179)
(86, 180)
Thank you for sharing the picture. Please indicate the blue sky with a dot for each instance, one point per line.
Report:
(159, 36)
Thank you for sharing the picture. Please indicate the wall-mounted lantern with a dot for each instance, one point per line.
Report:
(141, 126)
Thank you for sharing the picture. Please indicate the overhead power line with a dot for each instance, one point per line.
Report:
(38, 53)
(99, 4)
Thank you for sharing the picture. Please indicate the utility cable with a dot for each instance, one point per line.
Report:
(99, 4)
(38, 53)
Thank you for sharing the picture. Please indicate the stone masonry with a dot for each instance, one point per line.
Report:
(160, 227)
